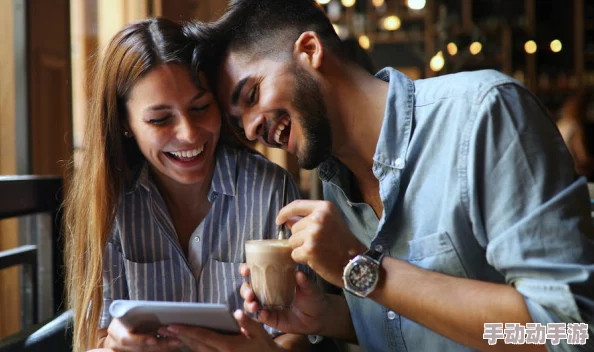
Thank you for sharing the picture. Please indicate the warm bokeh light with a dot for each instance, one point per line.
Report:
(336, 28)
(364, 42)
(392, 23)
(416, 4)
(323, 2)
(452, 48)
(437, 62)
(530, 47)
(348, 3)
(556, 46)
(377, 3)
(475, 48)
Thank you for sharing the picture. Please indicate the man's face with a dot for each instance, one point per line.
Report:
(278, 103)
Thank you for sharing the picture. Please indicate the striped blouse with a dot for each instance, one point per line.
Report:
(143, 257)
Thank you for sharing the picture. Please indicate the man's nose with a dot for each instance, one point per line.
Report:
(254, 126)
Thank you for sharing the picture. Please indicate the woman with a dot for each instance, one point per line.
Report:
(165, 195)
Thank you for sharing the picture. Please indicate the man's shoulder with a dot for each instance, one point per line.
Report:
(470, 85)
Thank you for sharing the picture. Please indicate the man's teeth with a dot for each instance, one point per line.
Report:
(280, 128)
(188, 153)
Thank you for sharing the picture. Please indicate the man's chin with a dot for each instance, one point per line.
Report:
(310, 162)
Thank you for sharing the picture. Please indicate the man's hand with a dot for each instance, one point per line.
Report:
(320, 239)
(304, 317)
(119, 338)
(253, 337)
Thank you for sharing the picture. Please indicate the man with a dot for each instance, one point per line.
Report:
(453, 197)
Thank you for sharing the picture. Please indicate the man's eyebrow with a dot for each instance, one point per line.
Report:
(237, 91)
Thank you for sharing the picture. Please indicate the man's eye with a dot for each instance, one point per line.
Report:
(160, 121)
(253, 95)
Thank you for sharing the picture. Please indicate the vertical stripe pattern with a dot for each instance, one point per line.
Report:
(143, 258)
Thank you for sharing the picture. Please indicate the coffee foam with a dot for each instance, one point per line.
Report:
(264, 245)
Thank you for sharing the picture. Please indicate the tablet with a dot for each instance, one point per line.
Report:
(146, 317)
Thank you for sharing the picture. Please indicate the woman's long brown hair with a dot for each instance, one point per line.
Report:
(109, 159)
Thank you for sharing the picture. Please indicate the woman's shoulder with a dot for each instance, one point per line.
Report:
(254, 168)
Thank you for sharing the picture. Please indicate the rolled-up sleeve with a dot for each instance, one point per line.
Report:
(114, 276)
(529, 209)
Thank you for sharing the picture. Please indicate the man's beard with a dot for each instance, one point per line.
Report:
(309, 103)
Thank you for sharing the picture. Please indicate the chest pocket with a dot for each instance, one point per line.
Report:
(220, 283)
(436, 252)
(162, 280)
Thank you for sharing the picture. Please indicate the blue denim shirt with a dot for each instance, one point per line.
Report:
(475, 182)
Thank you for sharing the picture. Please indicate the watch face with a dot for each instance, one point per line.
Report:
(362, 276)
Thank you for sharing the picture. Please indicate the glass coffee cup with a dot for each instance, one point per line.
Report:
(272, 272)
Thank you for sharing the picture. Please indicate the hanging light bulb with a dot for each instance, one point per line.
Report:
(556, 46)
(323, 2)
(452, 48)
(364, 42)
(391, 23)
(437, 62)
(475, 48)
(530, 47)
(377, 3)
(416, 4)
(348, 3)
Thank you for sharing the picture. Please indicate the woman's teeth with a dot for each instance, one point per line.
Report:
(186, 154)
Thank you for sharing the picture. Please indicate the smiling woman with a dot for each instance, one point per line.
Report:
(165, 195)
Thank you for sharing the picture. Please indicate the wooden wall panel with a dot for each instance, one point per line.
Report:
(49, 85)
(9, 278)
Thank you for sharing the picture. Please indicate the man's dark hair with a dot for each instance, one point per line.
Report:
(265, 28)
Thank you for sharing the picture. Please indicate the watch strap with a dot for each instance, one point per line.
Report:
(374, 255)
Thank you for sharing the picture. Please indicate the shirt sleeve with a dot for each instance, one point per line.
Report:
(528, 208)
(114, 276)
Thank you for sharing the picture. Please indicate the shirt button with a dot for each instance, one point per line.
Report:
(197, 239)
(391, 315)
(379, 248)
(399, 163)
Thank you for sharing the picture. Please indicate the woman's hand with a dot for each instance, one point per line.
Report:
(253, 337)
(304, 317)
(119, 338)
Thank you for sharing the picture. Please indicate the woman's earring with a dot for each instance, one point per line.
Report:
(126, 134)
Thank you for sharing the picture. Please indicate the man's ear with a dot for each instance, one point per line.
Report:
(309, 49)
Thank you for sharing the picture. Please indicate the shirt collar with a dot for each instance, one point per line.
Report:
(396, 128)
(224, 178)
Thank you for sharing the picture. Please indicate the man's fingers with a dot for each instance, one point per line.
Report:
(299, 207)
(244, 270)
(246, 292)
(249, 325)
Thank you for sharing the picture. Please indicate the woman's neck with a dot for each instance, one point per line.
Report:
(187, 205)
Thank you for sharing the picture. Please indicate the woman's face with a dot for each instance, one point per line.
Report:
(175, 124)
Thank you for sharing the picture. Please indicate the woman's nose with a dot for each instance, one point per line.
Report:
(187, 130)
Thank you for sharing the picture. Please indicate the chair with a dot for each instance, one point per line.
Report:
(42, 261)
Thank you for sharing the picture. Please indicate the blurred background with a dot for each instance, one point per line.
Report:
(49, 47)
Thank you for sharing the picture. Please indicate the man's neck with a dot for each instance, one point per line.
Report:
(360, 113)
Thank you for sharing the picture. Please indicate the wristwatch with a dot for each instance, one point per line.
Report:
(361, 274)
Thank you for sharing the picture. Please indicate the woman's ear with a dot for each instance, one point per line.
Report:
(126, 131)
(309, 49)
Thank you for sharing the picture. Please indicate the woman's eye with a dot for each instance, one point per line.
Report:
(160, 121)
(201, 108)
